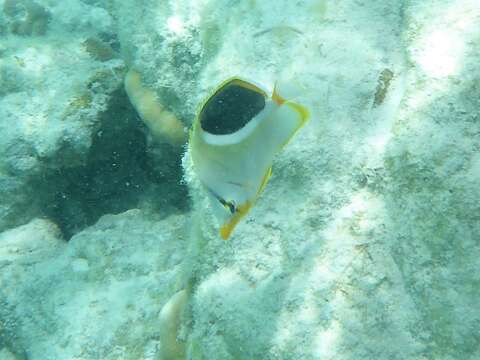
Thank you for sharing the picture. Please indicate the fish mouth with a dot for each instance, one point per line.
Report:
(227, 229)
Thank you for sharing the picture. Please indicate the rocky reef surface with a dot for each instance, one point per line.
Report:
(364, 245)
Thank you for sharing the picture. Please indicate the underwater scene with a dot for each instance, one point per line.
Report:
(239, 179)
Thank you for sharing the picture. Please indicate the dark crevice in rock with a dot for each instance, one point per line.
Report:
(119, 174)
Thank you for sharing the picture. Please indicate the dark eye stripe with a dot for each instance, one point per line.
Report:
(230, 204)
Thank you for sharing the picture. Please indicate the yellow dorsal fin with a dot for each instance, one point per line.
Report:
(276, 96)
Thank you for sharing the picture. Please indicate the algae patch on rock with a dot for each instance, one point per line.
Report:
(383, 85)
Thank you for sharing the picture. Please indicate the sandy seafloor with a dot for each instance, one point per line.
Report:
(365, 244)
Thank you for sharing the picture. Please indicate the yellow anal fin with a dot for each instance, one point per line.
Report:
(264, 182)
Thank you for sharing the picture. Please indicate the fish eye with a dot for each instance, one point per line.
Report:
(229, 205)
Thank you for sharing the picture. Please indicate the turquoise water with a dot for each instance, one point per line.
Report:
(361, 243)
